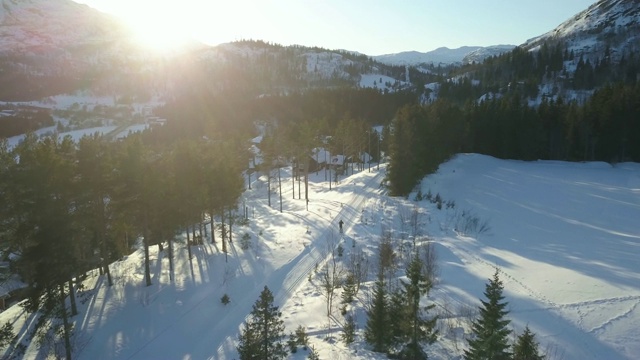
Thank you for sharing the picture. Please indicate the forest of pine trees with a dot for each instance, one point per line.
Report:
(603, 129)
(72, 207)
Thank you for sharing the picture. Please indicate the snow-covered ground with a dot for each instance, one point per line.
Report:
(116, 132)
(381, 82)
(563, 235)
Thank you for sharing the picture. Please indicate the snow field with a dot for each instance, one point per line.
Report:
(564, 237)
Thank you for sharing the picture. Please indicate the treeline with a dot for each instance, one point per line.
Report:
(22, 122)
(605, 128)
(72, 207)
(523, 71)
(334, 105)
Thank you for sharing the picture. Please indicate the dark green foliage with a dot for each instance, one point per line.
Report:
(490, 335)
(245, 241)
(409, 328)
(302, 338)
(313, 355)
(377, 331)
(398, 311)
(292, 343)
(299, 338)
(601, 129)
(23, 121)
(225, 299)
(348, 288)
(263, 334)
(526, 347)
(348, 334)
(340, 250)
(6, 334)
(422, 138)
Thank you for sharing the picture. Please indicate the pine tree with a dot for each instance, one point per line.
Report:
(490, 333)
(419, 330)
(348, 289)
(348, 334)
(526, 347)
(262, 336)
(377, 329)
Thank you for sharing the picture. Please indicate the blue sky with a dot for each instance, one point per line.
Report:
(373, 27)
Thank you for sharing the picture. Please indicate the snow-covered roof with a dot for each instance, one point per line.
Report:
(321, 155)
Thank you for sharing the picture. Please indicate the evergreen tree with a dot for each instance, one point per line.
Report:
(490, 334)
(95, 173)
(419, 330)
(45, 185)
(261, 338)
(526, 347)
(348, 334)
(349, 288)
(377, 332)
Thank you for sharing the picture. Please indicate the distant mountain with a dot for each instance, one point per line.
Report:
(49, 47)
(442, 55)
(482, 53)
(613, 24)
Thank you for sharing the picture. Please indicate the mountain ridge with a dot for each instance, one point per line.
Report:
(442, 55)
(606, 23)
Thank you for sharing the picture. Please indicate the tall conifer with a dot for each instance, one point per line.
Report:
(261, 338)
(490, 333)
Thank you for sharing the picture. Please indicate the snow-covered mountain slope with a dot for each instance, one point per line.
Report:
(442, 55)
(37, 26)
(482, 53)
(607, 23)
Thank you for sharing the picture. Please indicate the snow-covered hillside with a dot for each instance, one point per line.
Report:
(606, 23)
(564, 237)
(478, 56)
(52, 25)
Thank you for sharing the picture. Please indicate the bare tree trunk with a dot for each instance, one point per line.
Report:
(205, 224)
(231, 219)
(306, 184)
(268, 186)
(213, 228)
(299, 192)
(293, 180)
(170, 259)
(189, 245)
(280, 188)
(72, 299)
(65, 323)
(103, 244)
(147, 266)
(224, 235)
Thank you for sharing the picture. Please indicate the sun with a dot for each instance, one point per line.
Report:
(161, 33)
(159, 38)
(169, 25)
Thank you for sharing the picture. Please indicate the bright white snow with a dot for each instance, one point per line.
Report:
(564, 236)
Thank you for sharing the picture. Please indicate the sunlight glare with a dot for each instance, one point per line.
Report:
(160, 27)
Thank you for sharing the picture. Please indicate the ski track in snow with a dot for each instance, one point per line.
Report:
(307, 260)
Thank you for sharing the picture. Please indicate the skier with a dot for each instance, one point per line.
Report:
(341, 223)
